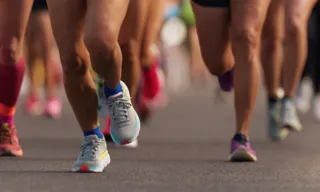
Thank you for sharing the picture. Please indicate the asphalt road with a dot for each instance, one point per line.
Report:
(184, 148)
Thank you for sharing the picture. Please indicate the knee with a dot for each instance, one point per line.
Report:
(216, 66)
(101, 44)
(245, 38)
(75, 60)
(293, 27)
(218, 62)
(11, 52)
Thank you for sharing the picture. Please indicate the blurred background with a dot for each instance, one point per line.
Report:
(181, 65)
(185, 135)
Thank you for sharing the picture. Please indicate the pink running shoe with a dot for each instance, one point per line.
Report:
(53, 108)
(9, 142)
(33, 106)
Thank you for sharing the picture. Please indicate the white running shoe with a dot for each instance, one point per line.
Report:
(304, 96)
(94, 156)
(289, 116)
(125, 122)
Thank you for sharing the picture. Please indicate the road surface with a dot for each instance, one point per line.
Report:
(184, 148)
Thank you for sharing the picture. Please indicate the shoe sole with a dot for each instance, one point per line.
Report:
(50, 116)
(85, 168)
(242, 155)
(283, 134)
(292, 127)
(131, 145)
(10, 153)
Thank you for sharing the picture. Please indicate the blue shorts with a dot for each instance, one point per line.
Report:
(213, 3)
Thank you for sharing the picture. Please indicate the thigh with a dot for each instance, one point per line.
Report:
(248, 17)
(13, 22)
(213, 31)
(105, 17)
(274, 23)
(153, 24)
(134, 22)
(32, 37)
(14, 16)
(67, 20)
(298, 11)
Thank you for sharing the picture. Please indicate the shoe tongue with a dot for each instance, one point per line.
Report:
(241, 138)
(116, 96)
(92, 137)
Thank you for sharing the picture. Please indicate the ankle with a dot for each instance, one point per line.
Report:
(96, 131)
(6, 119)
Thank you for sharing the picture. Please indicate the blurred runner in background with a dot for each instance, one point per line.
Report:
(286, 20)
(271, 60)
(309, 90)
(41, 51)
(297, 14)
(198, 70)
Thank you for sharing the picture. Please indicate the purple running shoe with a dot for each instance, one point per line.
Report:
(226, 81)
(241, 150)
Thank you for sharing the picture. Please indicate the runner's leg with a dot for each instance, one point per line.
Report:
(14, 16)
(246, 28)
(272, 57)
(67, 18)
(295, 53)
(103, 23)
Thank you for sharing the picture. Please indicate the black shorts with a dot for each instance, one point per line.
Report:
(213, 3)
(39, 5)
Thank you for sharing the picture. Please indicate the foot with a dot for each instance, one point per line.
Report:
(304, 96)
(9, 143)
(153, 83)
(33, 106)
(94, 156)
(226, 81)
(125, 122)
(289, 116)
(107, 136)
(276, 131)
(53, 108)
(241, 149)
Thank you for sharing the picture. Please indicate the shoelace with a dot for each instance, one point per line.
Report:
(88, 149)
(5, 134)
(119, 109)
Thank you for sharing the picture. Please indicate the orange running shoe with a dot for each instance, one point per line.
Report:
(9, 143)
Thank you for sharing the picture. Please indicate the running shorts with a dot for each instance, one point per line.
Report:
(39, 5)
(213, 3)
